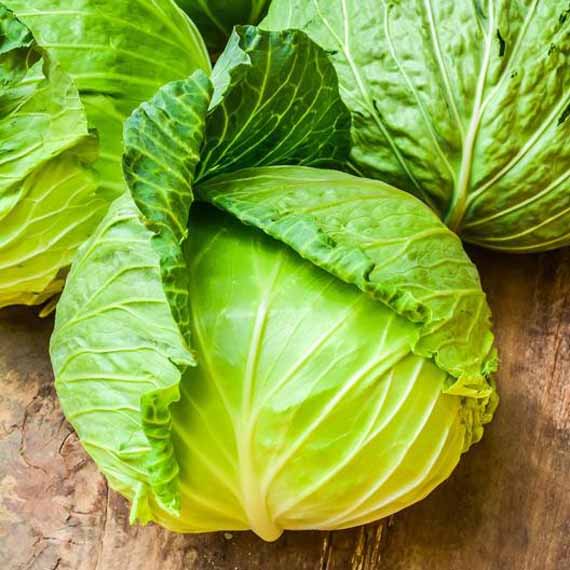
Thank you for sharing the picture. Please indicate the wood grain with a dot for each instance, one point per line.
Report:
(506, 507)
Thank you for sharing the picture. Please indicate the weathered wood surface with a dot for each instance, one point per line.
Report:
(506, 507)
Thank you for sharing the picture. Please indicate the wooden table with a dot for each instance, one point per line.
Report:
(506, 507)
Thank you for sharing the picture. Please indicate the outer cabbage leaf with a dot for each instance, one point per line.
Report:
(216, 18)
(276, 101)
(48, 204)
(118, 353)
(162, 149)
(118, 54)
(464, 104)
(381, 240)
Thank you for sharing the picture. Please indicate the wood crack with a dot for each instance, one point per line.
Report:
(326, 553)
(368, 551)
(558, 337)
(101, 544)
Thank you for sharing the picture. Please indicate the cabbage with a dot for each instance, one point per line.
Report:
(463, 103)
(48, 202)
(247, 342)
(216, 18)
(71, 72)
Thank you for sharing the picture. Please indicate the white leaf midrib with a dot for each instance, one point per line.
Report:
(253, 497)
(456, 212)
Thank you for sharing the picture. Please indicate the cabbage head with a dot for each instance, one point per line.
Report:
(216, 18)
(250, 342)
(71, 72)
(464, 103)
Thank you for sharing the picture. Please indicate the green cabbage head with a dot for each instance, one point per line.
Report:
(71, 72)
(251, 343)
(464, 103)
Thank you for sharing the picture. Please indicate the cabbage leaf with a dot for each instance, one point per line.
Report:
(48, 204)
(275, 101)
(377, 238)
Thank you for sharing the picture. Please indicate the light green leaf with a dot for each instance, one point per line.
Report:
(464, 104)
(118, 54)
(114, 310)
(48, 204)
(162, 142)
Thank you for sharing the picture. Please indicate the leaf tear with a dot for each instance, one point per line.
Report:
(502, 43)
